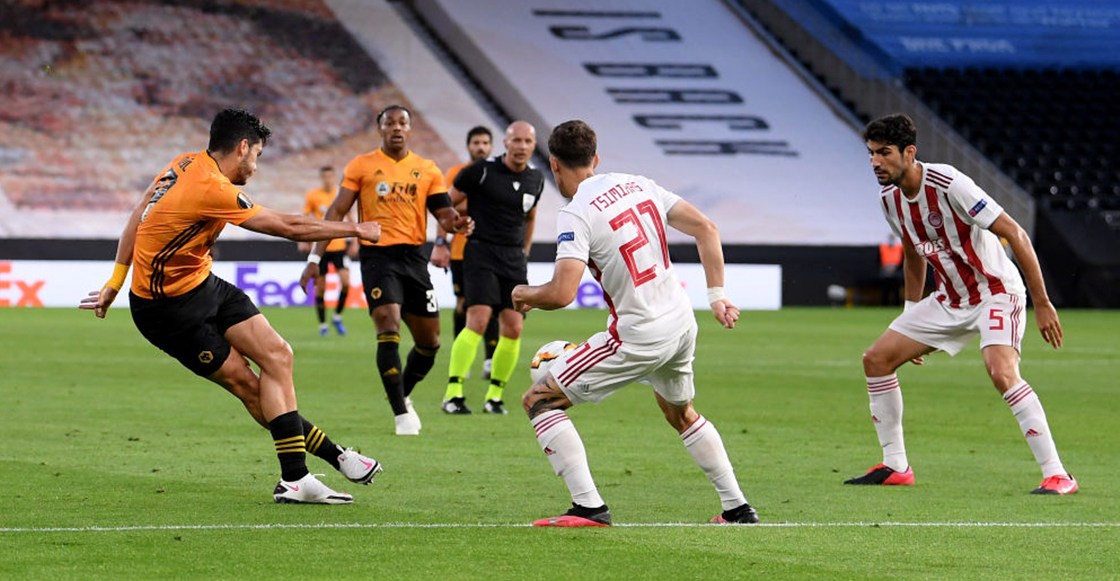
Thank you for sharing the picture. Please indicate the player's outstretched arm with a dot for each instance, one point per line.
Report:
(554, 294)
(308, 228)
(452, 221)
(1044, 312)
(99, 301)
(686, 218)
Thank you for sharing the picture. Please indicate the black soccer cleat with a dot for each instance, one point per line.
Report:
(494, 406)
(456, 406)
(744, 514)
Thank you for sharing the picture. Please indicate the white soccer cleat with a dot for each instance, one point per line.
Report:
(358, 468)
(407, 425)
(412, 412)
(308, 490)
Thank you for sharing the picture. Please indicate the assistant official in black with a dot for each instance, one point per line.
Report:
(502, 194)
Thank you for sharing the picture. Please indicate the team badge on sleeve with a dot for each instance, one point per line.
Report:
(976, 209)
(243, 201)
(565, 237)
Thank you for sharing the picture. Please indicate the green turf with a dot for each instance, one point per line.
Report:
(102, 430)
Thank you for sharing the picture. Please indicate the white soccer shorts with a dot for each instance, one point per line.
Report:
(1000, 320)
(603, 365)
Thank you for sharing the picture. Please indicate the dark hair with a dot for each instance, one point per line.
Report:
(325, 169)
(573, 144)
(392, 107)
(479, 130)
(230, 126)
(897, 130)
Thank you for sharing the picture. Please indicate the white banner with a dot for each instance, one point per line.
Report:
(684, 93)
(63, 283)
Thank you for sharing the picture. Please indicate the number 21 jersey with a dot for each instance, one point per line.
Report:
(616, 224)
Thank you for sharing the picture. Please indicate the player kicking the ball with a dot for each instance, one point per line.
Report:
(944, 219)
(615, 224)
(208, 324)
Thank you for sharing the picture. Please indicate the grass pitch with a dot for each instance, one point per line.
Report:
(118, 462)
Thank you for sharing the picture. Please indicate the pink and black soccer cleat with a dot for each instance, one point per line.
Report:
(744, 514)
(880, 474)
(1057, 484)
(578, 516)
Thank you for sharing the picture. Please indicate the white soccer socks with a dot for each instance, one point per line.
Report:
(562, 445)
(886, 413)
(703, 442)
(1032, 421)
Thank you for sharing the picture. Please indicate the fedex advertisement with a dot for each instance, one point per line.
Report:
(63, 283)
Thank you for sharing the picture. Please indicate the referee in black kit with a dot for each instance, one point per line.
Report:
(502, 194)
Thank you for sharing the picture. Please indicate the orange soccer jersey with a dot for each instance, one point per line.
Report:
(191, 203)
(394, 194)
(318, 200)
(459, 241)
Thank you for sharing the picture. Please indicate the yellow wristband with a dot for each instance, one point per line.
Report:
(119, 272)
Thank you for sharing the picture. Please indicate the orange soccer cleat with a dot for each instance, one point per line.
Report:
(1057, 484)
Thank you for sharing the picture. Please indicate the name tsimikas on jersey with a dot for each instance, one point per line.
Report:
(617, 192)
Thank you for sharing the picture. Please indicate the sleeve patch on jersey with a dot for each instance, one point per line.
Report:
(976, 209)
(565, 237)
(244, 201)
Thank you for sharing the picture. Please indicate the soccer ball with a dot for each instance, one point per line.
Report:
(544, 357)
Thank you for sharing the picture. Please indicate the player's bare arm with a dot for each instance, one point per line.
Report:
(914, 275)
(913, 272)
(99, 301)
(307, 228)
(530, 225)
(554, 294)
(1044, 312)
(686, 218)
(452, 221)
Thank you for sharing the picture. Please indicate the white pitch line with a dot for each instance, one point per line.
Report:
(101, 529)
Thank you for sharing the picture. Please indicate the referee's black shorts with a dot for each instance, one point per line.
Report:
(398, 275)
(191, 327)
(490, 272)
(457, 277)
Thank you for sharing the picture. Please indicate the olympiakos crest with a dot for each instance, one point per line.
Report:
(527, 201)
(934, 219)
(383, 188)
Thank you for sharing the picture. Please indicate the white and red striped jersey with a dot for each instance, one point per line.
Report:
(616, 224)
(948, 223)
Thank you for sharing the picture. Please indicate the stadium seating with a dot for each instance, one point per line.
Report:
(1055, 132)
(97, 95)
